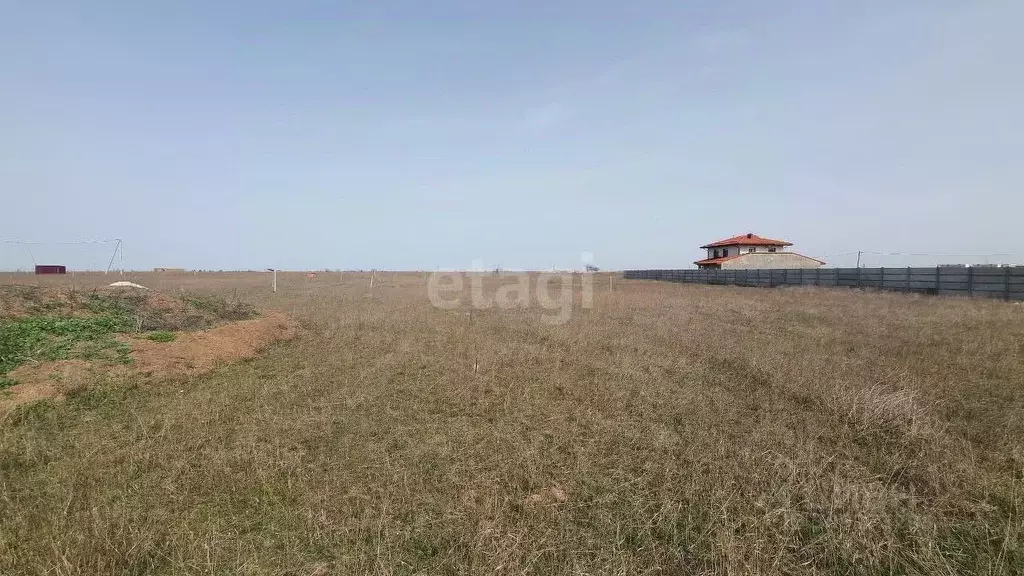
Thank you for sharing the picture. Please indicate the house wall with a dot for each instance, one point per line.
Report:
(776, 260)
(742, 249)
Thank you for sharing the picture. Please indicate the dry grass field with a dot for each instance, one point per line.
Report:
(670, 429)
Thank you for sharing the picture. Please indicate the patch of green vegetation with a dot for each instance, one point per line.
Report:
(47, 338)
(6, 383)
(56, 329)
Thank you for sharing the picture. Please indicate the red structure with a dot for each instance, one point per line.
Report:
(51, 269)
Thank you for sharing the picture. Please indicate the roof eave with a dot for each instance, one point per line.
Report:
(719, 244)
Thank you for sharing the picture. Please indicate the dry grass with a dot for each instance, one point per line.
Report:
(671, 429)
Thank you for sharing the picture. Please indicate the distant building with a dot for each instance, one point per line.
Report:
(51, 269)
(750, 251)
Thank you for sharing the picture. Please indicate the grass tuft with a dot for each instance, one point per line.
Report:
(161, 336)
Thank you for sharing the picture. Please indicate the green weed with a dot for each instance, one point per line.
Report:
(161, 336)
(47, 338)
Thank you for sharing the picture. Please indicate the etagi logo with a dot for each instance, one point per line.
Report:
(553, 291)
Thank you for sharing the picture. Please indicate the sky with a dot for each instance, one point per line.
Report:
(523, 135)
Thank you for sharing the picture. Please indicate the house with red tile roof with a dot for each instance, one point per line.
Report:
(750, 251)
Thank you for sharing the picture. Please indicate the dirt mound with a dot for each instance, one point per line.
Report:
(189, 353)
(24, 301)
(142, 309)
(196, 352)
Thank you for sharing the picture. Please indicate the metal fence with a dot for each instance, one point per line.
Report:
(1005, 282)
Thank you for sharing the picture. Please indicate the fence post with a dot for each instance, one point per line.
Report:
(859, 284)
(882, 286)
(1006, 284)
(906, 284)
(817, 276)
(970, 281)
(938, 281)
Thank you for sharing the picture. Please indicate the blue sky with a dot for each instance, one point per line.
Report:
(415, 135)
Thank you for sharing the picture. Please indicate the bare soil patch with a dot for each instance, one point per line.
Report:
(198, 352)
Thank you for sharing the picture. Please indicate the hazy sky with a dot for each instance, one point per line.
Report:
(413, 134)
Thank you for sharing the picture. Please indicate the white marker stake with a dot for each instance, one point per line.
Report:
(275, 279)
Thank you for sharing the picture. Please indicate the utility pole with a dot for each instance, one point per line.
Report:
(858, 258)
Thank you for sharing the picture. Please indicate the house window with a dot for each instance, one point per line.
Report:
(749, 250)
(771, 248)
(716, 253)
(725, 252)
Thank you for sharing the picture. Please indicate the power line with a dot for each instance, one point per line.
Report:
(24, 243)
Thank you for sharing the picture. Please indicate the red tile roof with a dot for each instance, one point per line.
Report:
(717, 260)
(748, 240)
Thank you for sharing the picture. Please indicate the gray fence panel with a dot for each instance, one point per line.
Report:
(987, 285)
(980, 272)
(983, 282)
